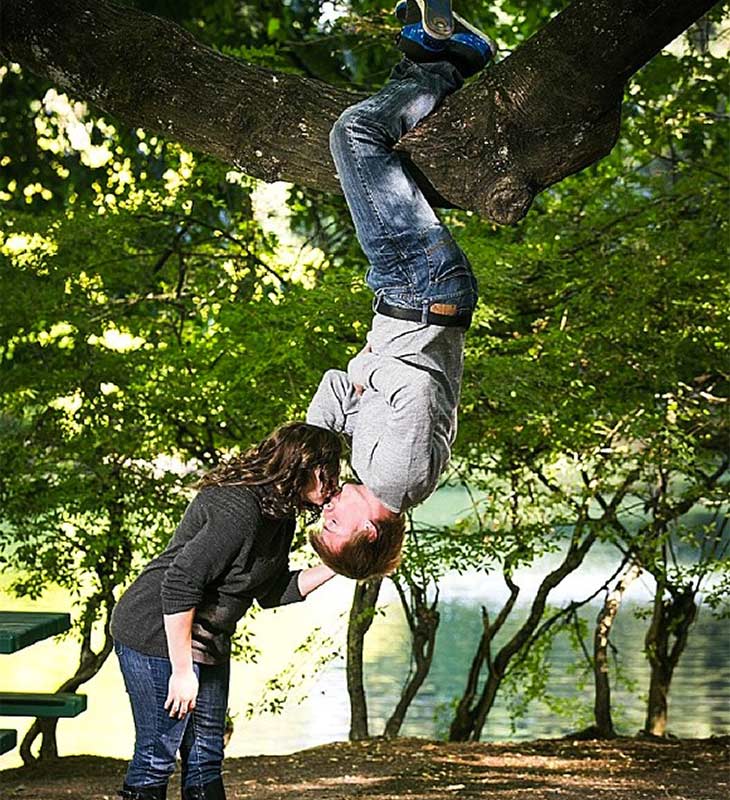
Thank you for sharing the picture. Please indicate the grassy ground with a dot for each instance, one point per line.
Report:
(417, 769)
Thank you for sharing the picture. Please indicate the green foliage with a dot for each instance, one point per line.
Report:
(156, 313)
(243, 642)
(292, 683)
(527, 679)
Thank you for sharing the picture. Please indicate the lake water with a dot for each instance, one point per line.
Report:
(699, 700)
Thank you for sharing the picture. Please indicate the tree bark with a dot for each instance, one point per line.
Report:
(423, 620)
(606, 616)
(361, 618)
(549, 110)
(671, 618)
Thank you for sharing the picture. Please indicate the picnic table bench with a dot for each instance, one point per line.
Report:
(18, 629)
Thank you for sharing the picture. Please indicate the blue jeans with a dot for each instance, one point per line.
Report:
(198, 736)
(414, 261)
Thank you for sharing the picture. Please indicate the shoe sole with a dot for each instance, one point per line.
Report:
(437, 18)
(460, 22)
(460, 25)
(419, 47)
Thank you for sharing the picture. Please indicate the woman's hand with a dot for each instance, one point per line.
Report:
(183, 686)
(181, 693)
(312, 578)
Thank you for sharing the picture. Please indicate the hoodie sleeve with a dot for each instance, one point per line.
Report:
(335, 405)
(401, 466)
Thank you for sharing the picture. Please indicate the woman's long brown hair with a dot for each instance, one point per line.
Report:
(282, 467)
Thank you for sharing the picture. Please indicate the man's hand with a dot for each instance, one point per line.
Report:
(358, 387)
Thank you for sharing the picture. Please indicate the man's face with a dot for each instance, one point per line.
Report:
(354, 508)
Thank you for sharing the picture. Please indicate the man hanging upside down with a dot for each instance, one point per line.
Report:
(398, 399)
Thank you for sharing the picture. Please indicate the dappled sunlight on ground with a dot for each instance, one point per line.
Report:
(418, 769)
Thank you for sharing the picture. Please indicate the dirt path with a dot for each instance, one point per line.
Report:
(417, 769)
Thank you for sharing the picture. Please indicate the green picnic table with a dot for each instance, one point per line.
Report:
(18, 629)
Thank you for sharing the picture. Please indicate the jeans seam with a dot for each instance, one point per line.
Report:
(156, 739)
(146, 758)
(196, 747)
(435, 282)
(376, 211)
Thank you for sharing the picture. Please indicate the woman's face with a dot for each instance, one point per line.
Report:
(315, 491)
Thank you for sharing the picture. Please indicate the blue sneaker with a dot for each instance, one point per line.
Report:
(427, 25)
(468, 48)
(434, 16)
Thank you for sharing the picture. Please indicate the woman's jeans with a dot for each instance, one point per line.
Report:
(198, 736)
(414, 261)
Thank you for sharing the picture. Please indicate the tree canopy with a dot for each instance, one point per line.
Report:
(160, 307)
(548, 110)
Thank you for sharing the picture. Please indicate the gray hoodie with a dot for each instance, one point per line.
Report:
(404, 423)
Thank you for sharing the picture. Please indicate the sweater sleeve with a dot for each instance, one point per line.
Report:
(335, 404)
(225, 534)
(284, 589)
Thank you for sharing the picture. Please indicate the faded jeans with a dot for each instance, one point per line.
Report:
(198, 736)
(414, 261)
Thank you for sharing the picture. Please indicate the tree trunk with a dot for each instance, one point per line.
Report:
(423, 621)
(90, 663)
(606, 616)
(571, 562)
(469, 719)
(361, 618)
(547, 111)
(671, 617)
(462, 722)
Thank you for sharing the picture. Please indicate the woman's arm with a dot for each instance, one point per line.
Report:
(225, 534)
(183, 685)
(313, 577)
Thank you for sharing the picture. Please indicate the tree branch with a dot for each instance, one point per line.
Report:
(548, 110)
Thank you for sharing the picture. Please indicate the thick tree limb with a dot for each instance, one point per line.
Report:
(153, 74)
(547, 111)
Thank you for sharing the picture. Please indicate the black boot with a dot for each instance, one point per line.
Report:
(143, 792)
(211, 791)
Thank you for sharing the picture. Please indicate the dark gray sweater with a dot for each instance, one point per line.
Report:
(224, 554)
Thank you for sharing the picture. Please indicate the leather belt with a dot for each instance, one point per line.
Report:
(462, 320)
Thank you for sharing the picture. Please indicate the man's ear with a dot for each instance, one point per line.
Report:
(371, 532)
